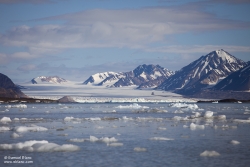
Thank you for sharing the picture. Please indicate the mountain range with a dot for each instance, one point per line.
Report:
(203, 73)
(143, 76)
(217, 71)
(48, 80)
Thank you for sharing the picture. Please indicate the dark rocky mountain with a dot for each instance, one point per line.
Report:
(49, 79)
(237, 81)
(203, 73)
(144, 76)
(8, 88)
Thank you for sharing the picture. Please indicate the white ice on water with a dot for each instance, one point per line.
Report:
(4, 128)
(77, 140)
(208, 114)
(194, 126)
(14, 135)
(161, 138)
(235, 142)
(209, 154)
(5, 120)
(140, 149)
(114, 144)
(33, 128)
(184, 105)
(39, 146)
(102, 139)
(134, 106)
(242, 120)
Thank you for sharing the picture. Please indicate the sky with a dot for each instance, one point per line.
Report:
(74, 39)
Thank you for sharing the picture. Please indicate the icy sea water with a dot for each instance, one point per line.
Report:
(126, 135)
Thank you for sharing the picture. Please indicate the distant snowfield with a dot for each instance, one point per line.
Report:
(82, 92)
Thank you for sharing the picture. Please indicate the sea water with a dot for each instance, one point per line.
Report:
(125, 134)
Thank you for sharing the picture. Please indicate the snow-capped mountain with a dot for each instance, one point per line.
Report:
(48, 80)
(103, 78)
(143, 76)
(237, 81)
(205, 72)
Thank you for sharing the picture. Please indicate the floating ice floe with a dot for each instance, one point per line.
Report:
(194, 126)
(134, 105)
(148, 119)
(114, 144)
(93, 119)
(14, 135)
(32, 128)
(208, 114)
(161, 128)
(77, 140)
(4, 128)
(161, 138)
(17, 106)
(184, 105)
(112, 111)
(103, 139)
(235, 142)
(178, 112)
(154, 110)
(67, 119)
(242, 120)
(6, 110)
(127, 118)
(209, 154)
(39, 146)
(140, 149)
(178, 118)
(5, 120)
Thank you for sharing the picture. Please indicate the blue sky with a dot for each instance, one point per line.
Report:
(77, 38)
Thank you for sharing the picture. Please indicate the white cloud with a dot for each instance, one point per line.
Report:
(203, 49)
(114, 28)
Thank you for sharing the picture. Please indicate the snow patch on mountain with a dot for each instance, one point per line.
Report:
(48, 80)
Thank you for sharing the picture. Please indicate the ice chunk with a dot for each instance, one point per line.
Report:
(160, 138)
(33, 128)
(14, 135)
(103, 139)
(115, 144)
(16, 119)
(5, 119)
(39, 146)
(134, 105)
(184, 105)
(4, 128)
(209, 154)
(235, 142)
(178, 118)
(194, 126)
(126, 118)
(19, 106)
(112, 111)
(68, 119)
(140, 149)
(162, 128)
(242, 120)
(208, 114)
(221, 117)
(178, 112)
(94, 119)
(77, 140)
